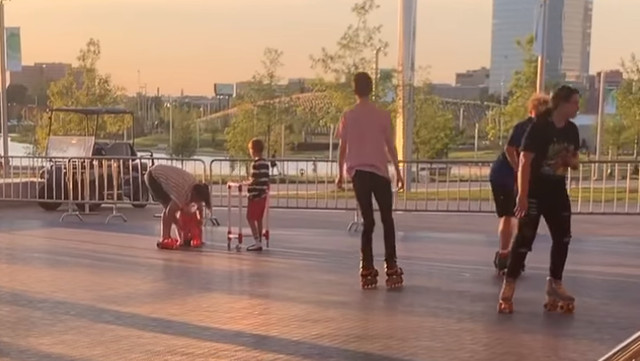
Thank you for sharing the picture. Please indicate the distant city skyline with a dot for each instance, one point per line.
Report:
(193, 44)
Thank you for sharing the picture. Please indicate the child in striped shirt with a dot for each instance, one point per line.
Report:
(257, 189)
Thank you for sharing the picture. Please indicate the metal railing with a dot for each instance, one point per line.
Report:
(629, 350)
(609, 187)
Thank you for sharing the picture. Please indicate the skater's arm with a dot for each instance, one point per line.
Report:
(524, 174)
(341, 133)
(512, 156)
(530, 147)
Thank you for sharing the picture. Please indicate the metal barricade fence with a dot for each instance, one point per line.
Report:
(607, 187)
(22, 179)
(88, 183)
(459, 186)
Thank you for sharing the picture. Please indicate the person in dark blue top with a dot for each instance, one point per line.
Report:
(503, 180)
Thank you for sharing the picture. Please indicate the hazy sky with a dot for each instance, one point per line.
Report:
(191, 44)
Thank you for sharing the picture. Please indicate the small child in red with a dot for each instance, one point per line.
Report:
(190, 227)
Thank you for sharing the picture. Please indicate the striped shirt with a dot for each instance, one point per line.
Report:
(177, 182)
(259, 184)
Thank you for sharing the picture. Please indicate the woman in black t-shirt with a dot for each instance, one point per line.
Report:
(549, 148)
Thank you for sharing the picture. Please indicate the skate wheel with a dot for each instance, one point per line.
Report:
(238, 248)
(552, 307)
(369, 286)
(569, 308)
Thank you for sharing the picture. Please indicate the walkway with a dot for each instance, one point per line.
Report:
(100, 292)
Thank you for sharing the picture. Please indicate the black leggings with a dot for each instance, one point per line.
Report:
(365, 185)
(555, 207)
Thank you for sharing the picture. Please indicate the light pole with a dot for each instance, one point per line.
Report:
(170, 105)
(540, 84)
(3, 84)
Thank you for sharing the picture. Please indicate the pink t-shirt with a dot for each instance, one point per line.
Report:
(366, 131)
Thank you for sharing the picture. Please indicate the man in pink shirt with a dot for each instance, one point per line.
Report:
(366, 146)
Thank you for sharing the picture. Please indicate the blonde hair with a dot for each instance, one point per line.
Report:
(538, 103)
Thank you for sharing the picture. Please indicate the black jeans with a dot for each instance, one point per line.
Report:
(555, 207)
(366, 185)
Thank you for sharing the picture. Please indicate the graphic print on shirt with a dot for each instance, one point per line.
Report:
(556, 162)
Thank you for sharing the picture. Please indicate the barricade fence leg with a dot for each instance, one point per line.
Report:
(356, 224)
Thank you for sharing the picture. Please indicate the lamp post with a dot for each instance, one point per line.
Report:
(542, 59)
(3, 85)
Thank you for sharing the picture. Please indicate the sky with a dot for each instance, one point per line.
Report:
(191, 44)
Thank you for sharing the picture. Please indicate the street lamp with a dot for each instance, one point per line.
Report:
(3, 85)
(170, 106)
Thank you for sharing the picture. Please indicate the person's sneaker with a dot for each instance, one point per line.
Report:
(255, 247)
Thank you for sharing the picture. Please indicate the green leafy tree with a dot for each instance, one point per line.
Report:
(262, 112)
(434, 129)
(84, 86)
(17, 94)
(356, 47)
(354, 51)
(628, 99)
(184, 132)
(522, 87)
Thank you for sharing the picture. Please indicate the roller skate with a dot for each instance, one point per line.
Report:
(558, 299)
(505, 301)
(168, 243)
(500, 262)
(369, 278)
(196, 243)
(394, 277)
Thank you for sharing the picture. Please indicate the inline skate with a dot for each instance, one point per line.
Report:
(505, 301)
(557, 298)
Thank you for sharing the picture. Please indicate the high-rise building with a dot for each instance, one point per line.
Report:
(568, 39)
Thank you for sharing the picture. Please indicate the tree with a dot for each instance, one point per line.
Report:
(17, 94)
(84, 86)
(628, 99)
(615, 134)
(262, 110)
(434, 130)
(356, 47)
(522, 87)
(184, 130)
(355, 51)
